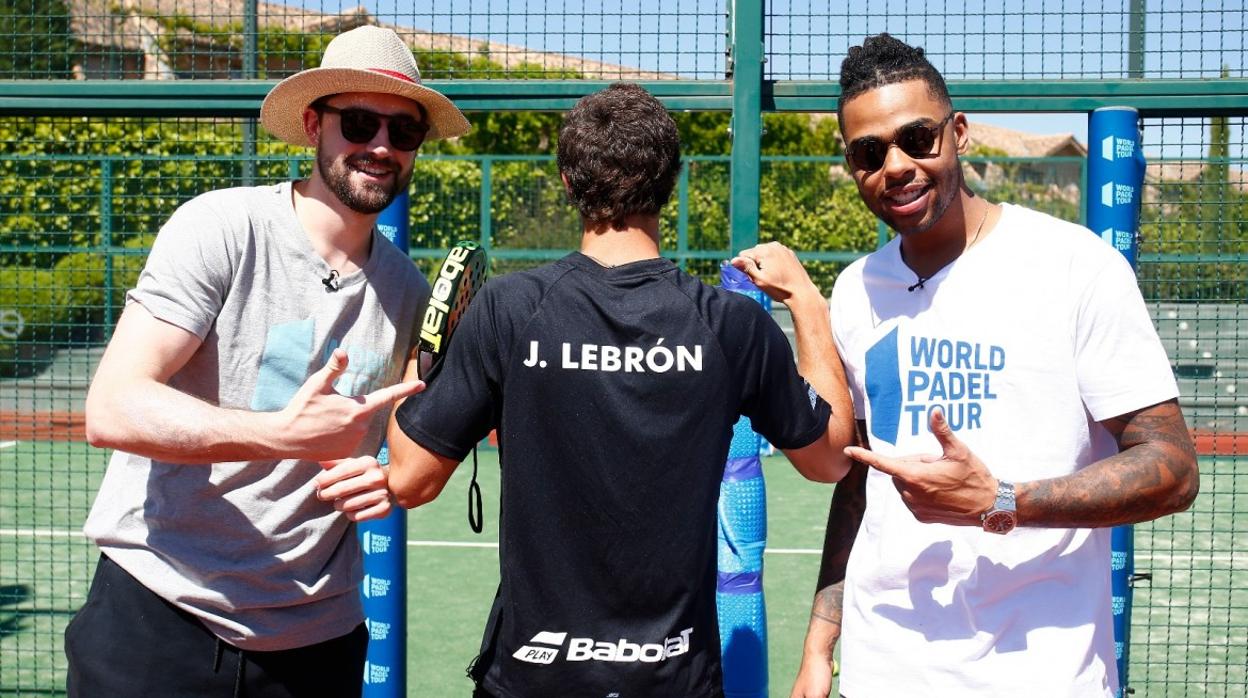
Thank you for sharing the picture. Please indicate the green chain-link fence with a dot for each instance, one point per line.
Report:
(112, 112)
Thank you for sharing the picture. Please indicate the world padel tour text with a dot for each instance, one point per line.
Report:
(613, 359)
(953, 375)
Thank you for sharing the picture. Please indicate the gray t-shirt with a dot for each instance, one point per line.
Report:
(245, 546)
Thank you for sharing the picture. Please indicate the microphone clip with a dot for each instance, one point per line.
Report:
(331, 281)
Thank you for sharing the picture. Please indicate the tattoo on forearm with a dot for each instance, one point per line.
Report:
(849, 501)
(1153, 474)
(829, 603)
(826, 618)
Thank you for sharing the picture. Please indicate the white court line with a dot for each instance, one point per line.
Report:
(56, 533)
(448, 544)
(793, 551)
(7, 444)
(470, 544)
(1240, 562)
(38, 533)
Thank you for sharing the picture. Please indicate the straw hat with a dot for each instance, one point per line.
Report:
(365, 59)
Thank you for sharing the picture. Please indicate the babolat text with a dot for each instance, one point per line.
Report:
(431, 328)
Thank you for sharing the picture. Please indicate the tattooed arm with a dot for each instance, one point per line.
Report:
(1153, 474)
(849, 500)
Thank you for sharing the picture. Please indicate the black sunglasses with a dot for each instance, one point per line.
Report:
(360, 125)
(915, 140)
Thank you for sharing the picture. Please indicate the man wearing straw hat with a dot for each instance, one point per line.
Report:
(263, 343)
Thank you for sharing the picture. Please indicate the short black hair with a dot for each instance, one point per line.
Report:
(620, 152)
(884, 60)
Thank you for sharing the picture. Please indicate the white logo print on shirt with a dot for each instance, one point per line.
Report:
(612, 359)
(546, 645)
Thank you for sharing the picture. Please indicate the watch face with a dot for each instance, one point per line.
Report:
(999, 521)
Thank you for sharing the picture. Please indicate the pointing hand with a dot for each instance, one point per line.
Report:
(954, 487)
(320, 424)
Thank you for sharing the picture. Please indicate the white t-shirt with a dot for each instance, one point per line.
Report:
(1027, 341)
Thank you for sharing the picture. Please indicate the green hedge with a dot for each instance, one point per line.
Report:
(35, 319)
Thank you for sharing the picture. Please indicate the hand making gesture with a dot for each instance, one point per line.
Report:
(953, 487)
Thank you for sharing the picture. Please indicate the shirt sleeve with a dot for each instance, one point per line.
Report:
(1119, 360)
(189, 271)
(839, 316)
(464, 398)
(781, 406)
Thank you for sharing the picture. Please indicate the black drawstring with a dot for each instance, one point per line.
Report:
(217, 651)
(216, 657)
(474, 498)
(238, 678)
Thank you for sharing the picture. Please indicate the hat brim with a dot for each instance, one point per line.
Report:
(282, 110)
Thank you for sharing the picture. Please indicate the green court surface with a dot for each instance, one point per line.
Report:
(1189, 634)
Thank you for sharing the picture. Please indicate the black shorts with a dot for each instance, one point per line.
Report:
(127, 641)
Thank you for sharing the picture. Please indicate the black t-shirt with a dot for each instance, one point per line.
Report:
(614, 392)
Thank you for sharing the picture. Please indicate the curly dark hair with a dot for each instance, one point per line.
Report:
(620, 151)
(884, 60)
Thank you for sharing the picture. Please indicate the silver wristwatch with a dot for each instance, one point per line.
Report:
(1001, 518)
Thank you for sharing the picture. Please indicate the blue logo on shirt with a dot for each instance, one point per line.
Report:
(288, 360)
(884, 388)
(954, 375)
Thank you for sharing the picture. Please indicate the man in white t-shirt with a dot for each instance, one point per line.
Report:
(1017, 403)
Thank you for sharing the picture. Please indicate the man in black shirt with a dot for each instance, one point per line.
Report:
(614, 380)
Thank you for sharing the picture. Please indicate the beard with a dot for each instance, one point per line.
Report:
(945, 188)
(361, 197)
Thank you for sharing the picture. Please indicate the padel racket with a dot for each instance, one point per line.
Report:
(461, 275)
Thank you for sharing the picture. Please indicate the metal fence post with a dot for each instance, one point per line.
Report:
(682, 217)
(745, 67)
(106, 240)
(251, 29)
(486, 204)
